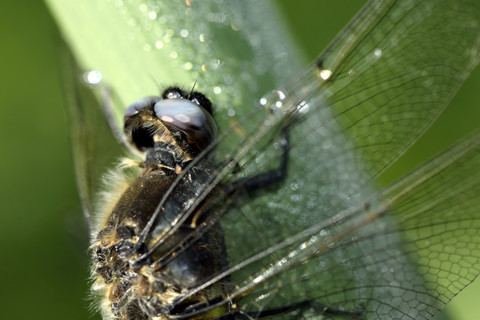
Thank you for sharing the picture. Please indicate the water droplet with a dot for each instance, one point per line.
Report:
(215, 64)
(188, 65)
(92, 77)
(325, 74)
(159, 44)
(168, 35)
(152, 15)
(234, 26)
(184, 33)
(303, 107)
(143, 7)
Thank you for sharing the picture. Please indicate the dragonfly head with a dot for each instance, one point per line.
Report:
(178, 122)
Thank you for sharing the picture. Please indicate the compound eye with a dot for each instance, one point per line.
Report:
(188, 117)
(173, 93)
(138, 105)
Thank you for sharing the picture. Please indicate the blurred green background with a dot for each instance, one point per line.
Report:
(43, 236)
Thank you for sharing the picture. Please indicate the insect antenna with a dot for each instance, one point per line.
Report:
(191, 91)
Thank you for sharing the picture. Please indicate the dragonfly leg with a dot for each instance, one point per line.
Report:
(269, 178)
(320, 308)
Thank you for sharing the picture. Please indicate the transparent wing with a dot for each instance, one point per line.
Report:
(353, 112)
(321, 237)
(93, 145)
(396, 69)
(402, 253)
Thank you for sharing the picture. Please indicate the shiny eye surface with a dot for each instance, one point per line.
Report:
(188, 117)
(138, 105)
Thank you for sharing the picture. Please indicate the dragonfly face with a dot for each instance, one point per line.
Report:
(188, 239)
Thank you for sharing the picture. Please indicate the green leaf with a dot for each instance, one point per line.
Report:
(235, 53)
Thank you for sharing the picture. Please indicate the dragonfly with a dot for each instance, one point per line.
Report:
(322, 241)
